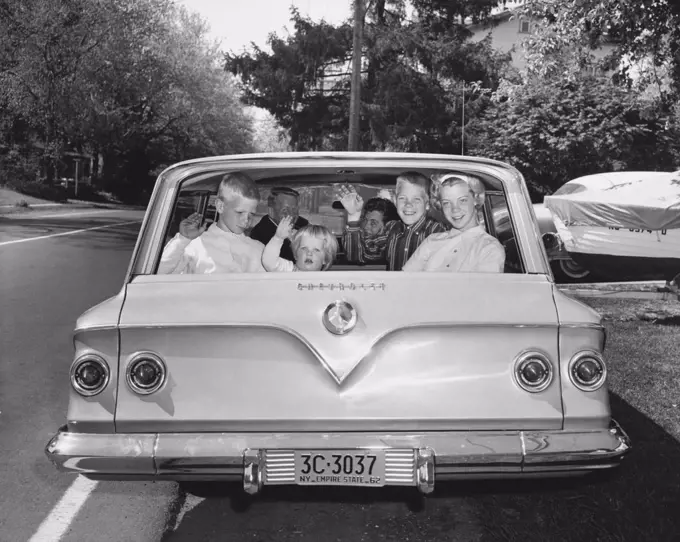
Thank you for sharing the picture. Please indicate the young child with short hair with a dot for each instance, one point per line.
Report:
(401, 237)
(314, 248)
(467, 247)
(223, 247)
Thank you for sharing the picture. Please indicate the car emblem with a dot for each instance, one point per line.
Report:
(339, 317)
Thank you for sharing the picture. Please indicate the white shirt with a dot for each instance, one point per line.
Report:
(215, 251)
(471, 251)
(270, 257)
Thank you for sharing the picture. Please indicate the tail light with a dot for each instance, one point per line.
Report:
(89, 375)
(533, 371)
(146, 373)
(587, 370)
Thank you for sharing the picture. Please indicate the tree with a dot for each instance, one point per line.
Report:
(554, 130)
(268, 135)
(647, 34)
(414, 68)
(135, 82)
(288, 82)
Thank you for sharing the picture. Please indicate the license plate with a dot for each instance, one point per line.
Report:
(340, 468)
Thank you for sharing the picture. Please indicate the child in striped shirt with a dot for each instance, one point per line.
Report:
(400, 237)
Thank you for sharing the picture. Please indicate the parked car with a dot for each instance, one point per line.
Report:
(354, 376)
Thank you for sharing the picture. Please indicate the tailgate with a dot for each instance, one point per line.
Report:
(429, 351)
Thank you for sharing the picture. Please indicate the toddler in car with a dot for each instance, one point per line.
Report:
(314, 248)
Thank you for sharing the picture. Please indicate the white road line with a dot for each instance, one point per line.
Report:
(68, 232)
(190, 502)
(64, 512)
(38, 216)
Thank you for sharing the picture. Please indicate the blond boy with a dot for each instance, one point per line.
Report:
(314, 248)
(223, 247)
(403, 235)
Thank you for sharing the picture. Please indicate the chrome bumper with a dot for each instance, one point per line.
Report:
(259, 459)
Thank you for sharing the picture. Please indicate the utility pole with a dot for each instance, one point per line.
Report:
(462, 125)
(355, 88)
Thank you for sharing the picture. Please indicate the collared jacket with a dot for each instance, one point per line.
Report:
(215, 251)
(394, 246)
(471, 251)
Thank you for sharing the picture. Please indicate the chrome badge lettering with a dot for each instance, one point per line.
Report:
(342, 286)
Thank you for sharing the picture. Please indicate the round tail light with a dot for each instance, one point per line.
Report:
(89, 375)
(587, 370)
(145, 373)
(533, 371)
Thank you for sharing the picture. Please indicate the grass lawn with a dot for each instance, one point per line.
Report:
(10, 197)
(642, 500)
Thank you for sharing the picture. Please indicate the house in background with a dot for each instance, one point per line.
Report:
(508, 31)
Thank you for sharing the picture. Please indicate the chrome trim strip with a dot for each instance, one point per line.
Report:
(244, 456)
(284, 328)
(576, 325)
(338, 379)
(103, 327)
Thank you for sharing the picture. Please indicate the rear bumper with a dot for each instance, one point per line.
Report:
(254, 458)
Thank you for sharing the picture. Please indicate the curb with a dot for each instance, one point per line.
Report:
(21, 210)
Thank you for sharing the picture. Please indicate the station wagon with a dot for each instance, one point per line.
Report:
(354, 376)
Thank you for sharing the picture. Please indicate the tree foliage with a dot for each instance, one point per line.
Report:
(558, 129)
(415, 70)
(646, 34)
(135, 82)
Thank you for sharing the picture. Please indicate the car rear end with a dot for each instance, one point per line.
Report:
(364, 378)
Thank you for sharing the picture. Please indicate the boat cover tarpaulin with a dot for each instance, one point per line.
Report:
(646, 200)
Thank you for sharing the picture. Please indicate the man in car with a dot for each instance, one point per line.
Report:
(283, 201)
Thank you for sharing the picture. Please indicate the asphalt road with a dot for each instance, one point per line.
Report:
(54, 266)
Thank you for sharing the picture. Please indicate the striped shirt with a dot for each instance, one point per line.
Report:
(393, 246)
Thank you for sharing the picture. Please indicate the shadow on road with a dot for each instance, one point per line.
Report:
(640, 501)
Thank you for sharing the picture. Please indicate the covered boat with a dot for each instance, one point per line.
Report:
(622, 224)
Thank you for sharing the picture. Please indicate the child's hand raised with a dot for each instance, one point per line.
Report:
(351, 201)
(191, 227)
(285, 227)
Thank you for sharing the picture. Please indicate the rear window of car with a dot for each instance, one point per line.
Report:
(319, 203)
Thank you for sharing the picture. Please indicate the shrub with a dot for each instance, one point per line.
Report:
(41, 190)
